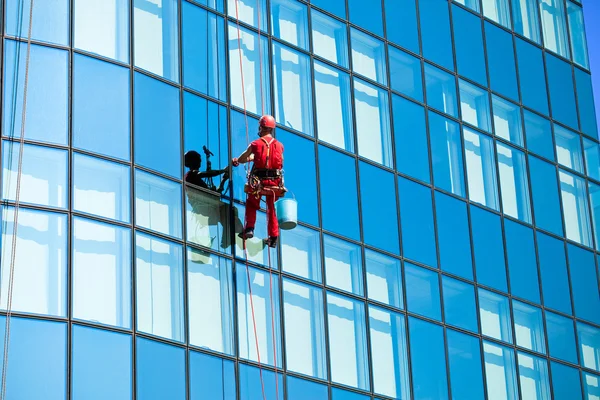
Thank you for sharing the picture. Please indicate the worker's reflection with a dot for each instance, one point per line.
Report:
(209, 213)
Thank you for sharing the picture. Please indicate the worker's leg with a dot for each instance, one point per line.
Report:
(252, 205)
(273, 224)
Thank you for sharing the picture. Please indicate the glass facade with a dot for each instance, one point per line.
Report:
(444, 156)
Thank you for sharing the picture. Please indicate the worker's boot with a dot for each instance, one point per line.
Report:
(271, 241)
(248, 233)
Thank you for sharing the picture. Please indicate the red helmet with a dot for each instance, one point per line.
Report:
(267, 121)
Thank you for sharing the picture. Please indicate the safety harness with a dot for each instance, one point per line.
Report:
(255, 181)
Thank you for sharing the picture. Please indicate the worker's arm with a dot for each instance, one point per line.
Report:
(212, 173)
(245, 157)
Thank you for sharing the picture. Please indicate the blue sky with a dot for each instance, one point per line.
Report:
(591, 10)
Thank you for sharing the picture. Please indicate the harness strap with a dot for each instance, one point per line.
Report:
(268, 149)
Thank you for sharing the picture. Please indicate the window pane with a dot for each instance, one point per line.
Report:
(401, 24)
(160, 371)
(261, 309)
(585, 102)
(539, 135)
(339, 394)
(454, 239)
(337, 7)
(464, 358)
(507, 121)
(378, 197)
(410, 132)
(554, 26)
(592, 158)
(334, 108)
(101, 273)
(373, 123)
(568, 148)
(562, 92)
(99, 357)
(47, 92)
(157, 136)
(475, 106)
(300, 174)
(501, 60)
(472, 4)
(38, 359)
(156, 38)
(446, 154)
(501, 376)
(50, 20)
(289, 22)
(384, 279)
(441, 90)
(366, 15)
(211, 377)
(497, 10)
(584, 283)
(526, 19)
(368, 56)
(330, 37)
(468, 41)
(416, 214)
(203, 51)
(422, 291)
(577, 33)
(158, 204)
(101, 187)
(534, 379)
(301, 253)
(575, 207)
(40, 262)
(405, 73)
(343, 265)
(589, 346)
(102, 28)
(257, 90)
(553, 269)
(532, 76)
(347, 341)
(561, 337)
(514, 185)
(101, 107)
(522, 263)
(208, 220)
(595, 200)
(544, 192)
(300, 389)
(481, 169)
(494, 312)
(592, 386)
(428, 360)
(488, 248)
(159, 287)
(249, 11)
(529, 327)
(339, 216)
(305, 329)
(293, 90)
(210, 300)
(435, 32)
(459, 304)
(257, 251)
(43, 174)
(251, 381)
(389, 353)
(569, 384)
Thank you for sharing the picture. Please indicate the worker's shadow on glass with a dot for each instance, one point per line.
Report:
(208, 214)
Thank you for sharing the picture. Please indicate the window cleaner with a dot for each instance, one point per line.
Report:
(264, 179)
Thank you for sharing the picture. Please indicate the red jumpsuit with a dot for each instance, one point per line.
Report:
(268, 154)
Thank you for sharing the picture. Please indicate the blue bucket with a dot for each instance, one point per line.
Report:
(287, 213)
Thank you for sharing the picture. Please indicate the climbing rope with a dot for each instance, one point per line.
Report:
(17, 196)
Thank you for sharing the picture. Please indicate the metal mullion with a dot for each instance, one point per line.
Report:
(194, 92)
(37, 42)
(99, 57)
(103, 157)
(16, 140)
(159, 174)
(70, 204)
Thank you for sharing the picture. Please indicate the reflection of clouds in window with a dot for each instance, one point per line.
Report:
(494, 313)
(575, 207)
(248, 12)
(481, 169)
(343, 265)
(39, 276)
(330, 38)
(368, 56)
(500, 372)
(514, 183)
(157, 203)
(533, 374)
(101, 273)
(554, 26)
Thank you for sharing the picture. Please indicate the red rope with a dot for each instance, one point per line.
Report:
(273, 310)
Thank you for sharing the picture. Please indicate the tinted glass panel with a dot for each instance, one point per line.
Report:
(289, 22)
(514, 185)
(531, 76)
(562, 92)
(100, 357)
(589, 346)
(494, 312)
(211, 377)
(592, 158)
(539, 135)
(529, 327)
(553, 269)
(301, 253)
(250, 12)
(489, 251)
(50, 20)
(481, 169)
(584, 282)
(343, 265)
(337, 7)
(561, 337)
(464, 357)
(569, 384)
(366, 15)
(501, 60)
(585, 98)
(299, 389)
(501, 376)
(522, 263)
(160, 370)
(384, 279)
(422, 291)
(158, 204)
(330, 36)
(251, 384)
(459, 304)
(401, 23)
(468, 42)
(405, 73)
(416, 215)
(446, 154)
(453, 236)
(101, 273)
(435, 32)
(441, 90)
(533, 377)
(544, 193)
(575, 208)
(410, 133)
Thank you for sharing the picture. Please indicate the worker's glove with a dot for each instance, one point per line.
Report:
(235, 162)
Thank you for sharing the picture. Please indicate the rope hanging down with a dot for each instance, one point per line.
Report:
(239, 40)
(18, 192)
